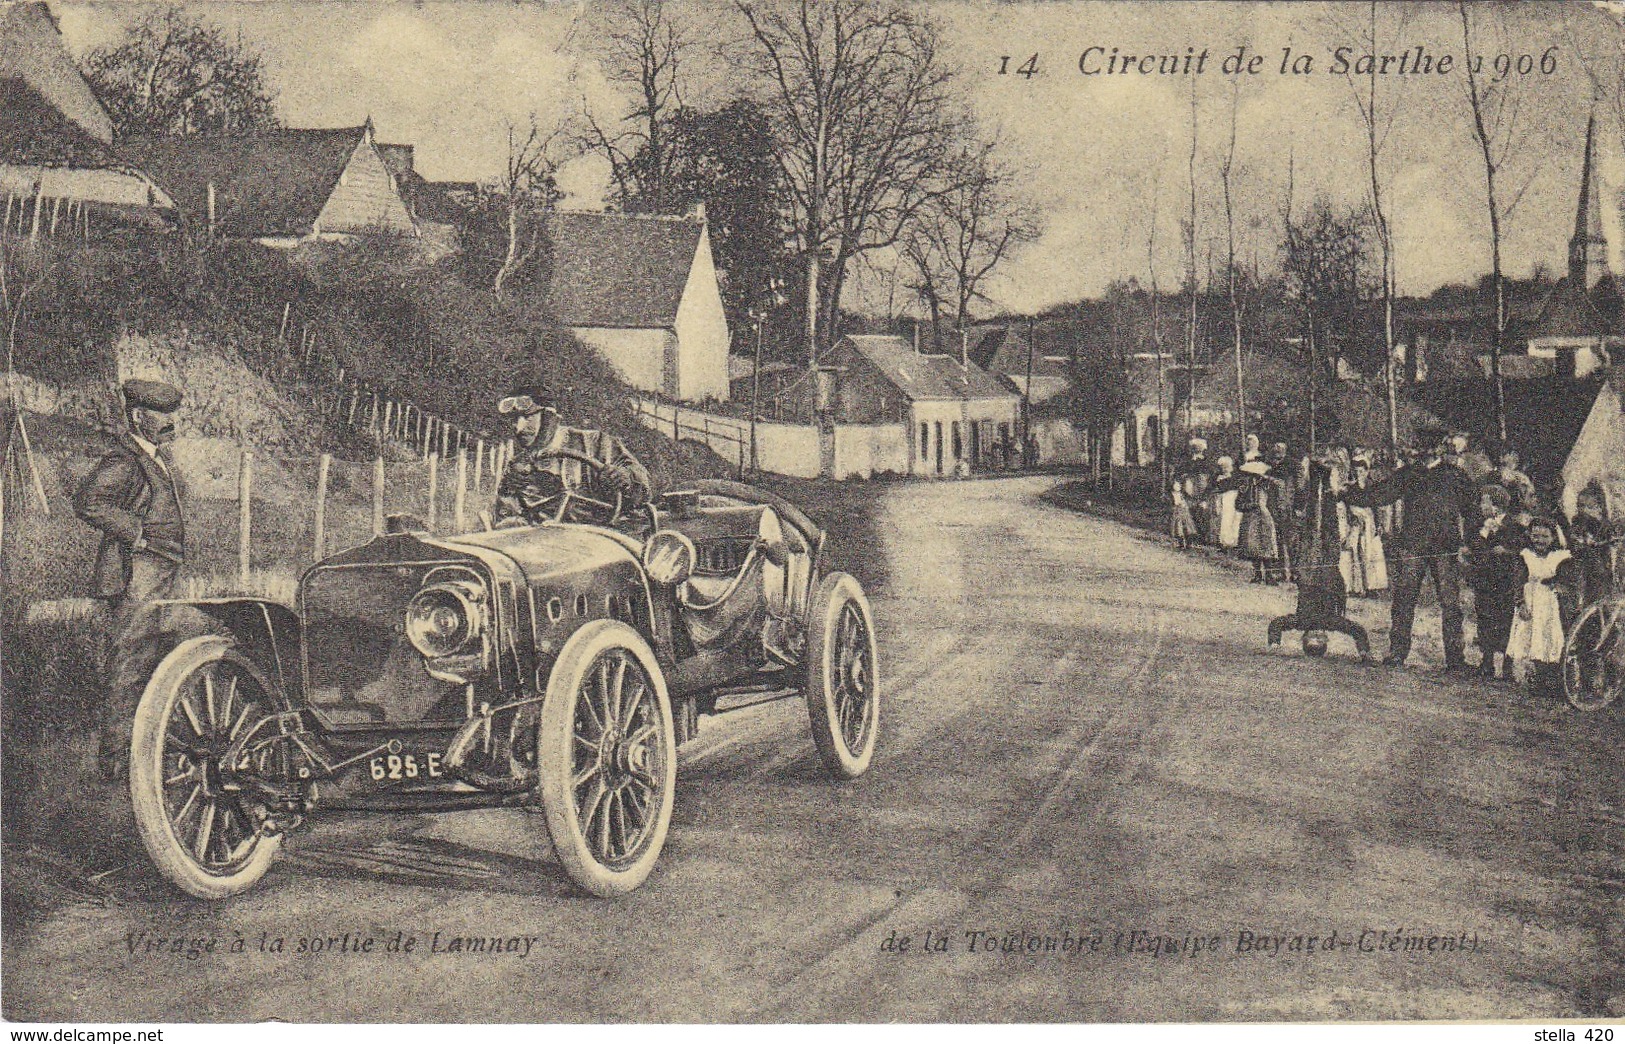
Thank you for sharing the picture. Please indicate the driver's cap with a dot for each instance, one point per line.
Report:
(525, 400)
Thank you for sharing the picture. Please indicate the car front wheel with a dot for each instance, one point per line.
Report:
(608, 758)
(198, 823)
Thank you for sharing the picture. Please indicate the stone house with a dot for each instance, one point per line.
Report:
(643, 291)
(279, 187)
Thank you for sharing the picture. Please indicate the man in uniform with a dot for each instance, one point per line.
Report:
(133, 496)
(1440, 505)
(537, 475)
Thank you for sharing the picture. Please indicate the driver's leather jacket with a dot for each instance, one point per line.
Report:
(533, 477)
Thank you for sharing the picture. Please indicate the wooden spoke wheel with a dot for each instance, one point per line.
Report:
(842, 683)
(202, 829)
(1594, 656)
(608, 756)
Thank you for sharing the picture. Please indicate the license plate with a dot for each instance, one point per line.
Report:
(390, 767)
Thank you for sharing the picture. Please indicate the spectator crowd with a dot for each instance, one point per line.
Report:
(1347, 521)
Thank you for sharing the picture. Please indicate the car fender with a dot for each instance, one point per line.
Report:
(267, 632)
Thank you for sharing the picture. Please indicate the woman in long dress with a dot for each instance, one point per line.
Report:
(1366, 564)
(1259, 537)
(1537, 630)
(1226, 519)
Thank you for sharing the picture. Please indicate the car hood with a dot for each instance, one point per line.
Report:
(549, 552)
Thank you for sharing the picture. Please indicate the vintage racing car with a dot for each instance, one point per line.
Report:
(560, 663)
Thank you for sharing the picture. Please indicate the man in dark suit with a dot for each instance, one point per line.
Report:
(133, 496)
(1439, 505)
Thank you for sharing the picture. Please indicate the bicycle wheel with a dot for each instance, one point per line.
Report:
(1594, 656)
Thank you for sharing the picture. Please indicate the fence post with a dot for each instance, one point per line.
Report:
(389, 419)
(319, 540)
(459, 504)
(378, 496)
(245, 522)
(282, 331)
(355, 401)
(434, 489)
(479, 462)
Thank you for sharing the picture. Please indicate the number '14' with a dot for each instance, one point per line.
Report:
(1027, 68)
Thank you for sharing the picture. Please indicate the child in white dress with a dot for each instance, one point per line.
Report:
(1537, 630)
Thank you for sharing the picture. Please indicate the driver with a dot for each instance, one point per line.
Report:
(536, 475)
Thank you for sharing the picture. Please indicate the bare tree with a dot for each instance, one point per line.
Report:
(643, 50)
(1156, 329)
(1226, 169)
(527, 190)
(1377, 120)
(859, 102)
(1495, 109)
(175, 74)
(961, 236)
(1325, 266)
(1190, 268)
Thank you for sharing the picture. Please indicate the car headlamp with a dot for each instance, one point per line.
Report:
(445, 619)
(668, 557)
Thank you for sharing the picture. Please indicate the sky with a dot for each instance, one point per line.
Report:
(1097, 155)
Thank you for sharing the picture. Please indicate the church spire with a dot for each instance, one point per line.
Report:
(1588, 249)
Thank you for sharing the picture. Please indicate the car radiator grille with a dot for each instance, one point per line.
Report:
(360, 668)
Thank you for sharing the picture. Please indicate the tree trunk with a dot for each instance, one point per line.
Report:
(812, 306)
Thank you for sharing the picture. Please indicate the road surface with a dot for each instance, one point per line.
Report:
(1087, 757)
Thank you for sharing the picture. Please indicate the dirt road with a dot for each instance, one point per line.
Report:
(1095, 789)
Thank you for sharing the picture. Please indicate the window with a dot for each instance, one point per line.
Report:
(925, 440)
(959, 449)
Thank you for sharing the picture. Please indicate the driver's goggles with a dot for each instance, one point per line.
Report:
(521, 404)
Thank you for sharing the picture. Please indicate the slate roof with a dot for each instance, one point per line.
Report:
(1010, 357)
(35, 133)
(1567, 311)
(399, 159)
(926, 377)
(619, 270)
(269, 183)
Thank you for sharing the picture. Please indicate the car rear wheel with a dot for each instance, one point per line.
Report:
(201, 831)
(608, 757)
(843, 682)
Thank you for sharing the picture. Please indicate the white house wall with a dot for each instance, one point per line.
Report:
(639, 356)
(365, 199)
(702, 331)
(947, 413)
(112, 187)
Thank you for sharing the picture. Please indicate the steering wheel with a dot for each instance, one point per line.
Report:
(560, 503)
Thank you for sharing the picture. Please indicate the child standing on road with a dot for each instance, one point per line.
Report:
(1537, 632)
(1494, 549)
